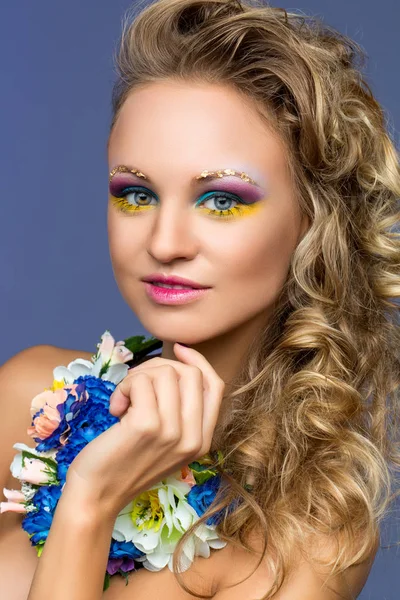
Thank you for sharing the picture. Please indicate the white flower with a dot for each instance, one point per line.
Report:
(156, 520)
(110, 357)
(27, 490)
(17, 465)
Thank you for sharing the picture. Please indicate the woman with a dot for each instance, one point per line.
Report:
(248, 156)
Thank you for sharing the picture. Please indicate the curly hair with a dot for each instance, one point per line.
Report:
(314, 409)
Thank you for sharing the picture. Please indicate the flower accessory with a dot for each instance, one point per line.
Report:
(65, 418)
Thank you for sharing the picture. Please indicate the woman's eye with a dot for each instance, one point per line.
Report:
(225, 205)
(134, 199)
(139, 197)
(219, 202)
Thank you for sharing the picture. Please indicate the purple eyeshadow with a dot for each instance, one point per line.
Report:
(248, 192)
(122, 181)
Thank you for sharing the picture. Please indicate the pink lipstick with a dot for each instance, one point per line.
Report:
(164, 295)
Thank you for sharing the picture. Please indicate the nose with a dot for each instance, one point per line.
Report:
(172, 234)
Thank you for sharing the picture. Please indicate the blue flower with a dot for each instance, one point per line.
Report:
(67, 410)
(66, 455)
(93, 418)
(92, 414)
(38, 523)
(124, 550)
(201, 497)
(121, 557)
(99, 390)
(85, 420)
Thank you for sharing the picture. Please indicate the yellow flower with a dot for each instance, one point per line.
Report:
(57, 385)
(147, 511)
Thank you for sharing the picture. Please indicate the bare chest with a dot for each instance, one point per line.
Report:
(18, 562)
(18, 559)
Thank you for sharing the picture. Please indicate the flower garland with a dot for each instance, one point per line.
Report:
(65, 418)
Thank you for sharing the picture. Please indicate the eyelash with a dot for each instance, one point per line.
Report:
(127, 207)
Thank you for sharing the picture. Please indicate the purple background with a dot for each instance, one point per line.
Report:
(57, 285)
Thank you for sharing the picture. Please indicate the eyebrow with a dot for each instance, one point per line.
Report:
(204, 175)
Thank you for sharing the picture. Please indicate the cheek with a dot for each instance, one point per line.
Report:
(123, 239)
(255, 263)
(115, 232)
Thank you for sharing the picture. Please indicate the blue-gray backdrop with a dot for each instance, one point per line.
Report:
(56, 284)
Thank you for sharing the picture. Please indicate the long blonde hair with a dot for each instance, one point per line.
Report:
(314, 416)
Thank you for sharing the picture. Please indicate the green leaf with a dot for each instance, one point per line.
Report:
(124, 575)
(201, 472)
(106, 583)
(104, 367)
(139, 342)
(201, 467)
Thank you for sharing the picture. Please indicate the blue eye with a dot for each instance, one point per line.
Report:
(214, 196)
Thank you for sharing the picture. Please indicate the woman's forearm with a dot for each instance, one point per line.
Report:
(74, 559)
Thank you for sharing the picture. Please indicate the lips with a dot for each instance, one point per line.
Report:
(169, 286)
(162, 295)
(156, 278)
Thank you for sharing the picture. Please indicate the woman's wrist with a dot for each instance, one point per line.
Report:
(74, 559)
(86, 505)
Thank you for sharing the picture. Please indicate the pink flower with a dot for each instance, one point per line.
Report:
(14, 495)
(187, 476)
(45, 423)
(114, 352)
(14, 504)
(33, 471)
(106, 346)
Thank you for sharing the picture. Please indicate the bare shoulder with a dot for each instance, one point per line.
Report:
(31, 369)
(231, 574)
(308, 580)
(22, 376)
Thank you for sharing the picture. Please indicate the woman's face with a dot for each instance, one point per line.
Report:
(172, 132)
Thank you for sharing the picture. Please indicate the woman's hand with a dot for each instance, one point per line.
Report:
(169, 411)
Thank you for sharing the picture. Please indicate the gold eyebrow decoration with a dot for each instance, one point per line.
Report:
(223, 172)
(124, 169)
(203, 175)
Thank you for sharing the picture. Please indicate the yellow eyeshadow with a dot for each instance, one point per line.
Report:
(125, 206)
(238, 211)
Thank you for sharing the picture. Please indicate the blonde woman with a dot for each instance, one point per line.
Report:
(248, 157)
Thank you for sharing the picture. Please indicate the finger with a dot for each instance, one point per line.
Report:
(142, 413)
(118, 403)
(168, 397)
(192, 408)
(213, 386)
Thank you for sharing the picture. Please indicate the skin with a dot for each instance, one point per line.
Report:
(245, 260)
(171, 131)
